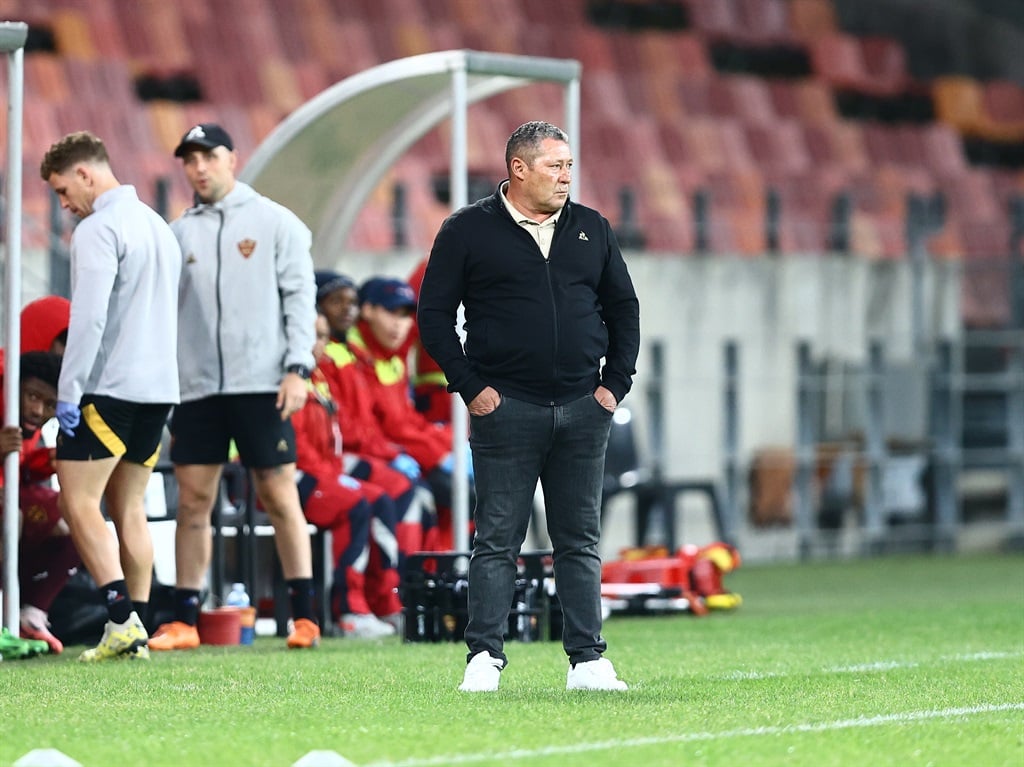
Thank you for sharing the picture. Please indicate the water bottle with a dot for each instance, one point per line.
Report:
(238, 598)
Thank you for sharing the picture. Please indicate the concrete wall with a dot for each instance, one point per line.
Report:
(693, 305)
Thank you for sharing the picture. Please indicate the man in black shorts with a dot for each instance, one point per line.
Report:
(245, 350)
(118, 379)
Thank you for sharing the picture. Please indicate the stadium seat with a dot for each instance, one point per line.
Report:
(812, 18)
(763, 22)
(848, 143)
(885, 64)
(280, 85)
(690, 55)
(626, 473)
(779, 147)
(838, 59)
(714, 20)
(45, 76)
(72, 34)
(815, 102)
(597, 50)
(960, 101)
(1003, 101)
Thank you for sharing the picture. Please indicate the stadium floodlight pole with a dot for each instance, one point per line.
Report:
(12, 41)
(458, 184)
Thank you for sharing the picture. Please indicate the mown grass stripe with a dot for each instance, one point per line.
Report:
(879, 720)
(867, 668)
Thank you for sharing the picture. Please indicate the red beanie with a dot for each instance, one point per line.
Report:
(42, 321)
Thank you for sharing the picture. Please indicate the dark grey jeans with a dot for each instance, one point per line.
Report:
(562, 446)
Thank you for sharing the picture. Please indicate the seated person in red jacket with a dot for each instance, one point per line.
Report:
(46, 555)
(379, 340)
(360, 516)
(368, 454)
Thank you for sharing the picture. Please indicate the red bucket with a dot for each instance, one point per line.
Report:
(222, 626)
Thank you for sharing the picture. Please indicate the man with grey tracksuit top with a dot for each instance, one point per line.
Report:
(118, 379)
(245, 349)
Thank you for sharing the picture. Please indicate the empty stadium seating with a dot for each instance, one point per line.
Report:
(662, 117)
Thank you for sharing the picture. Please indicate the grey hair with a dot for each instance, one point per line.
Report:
(525, 141)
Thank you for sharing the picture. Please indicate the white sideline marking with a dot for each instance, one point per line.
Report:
(910, 717)
(862, 668)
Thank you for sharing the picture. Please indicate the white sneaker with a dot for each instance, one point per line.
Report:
(482, 673)
(365, 626)
(594, 675)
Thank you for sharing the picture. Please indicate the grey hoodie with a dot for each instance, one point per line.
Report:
(247, 298)
(124, 278)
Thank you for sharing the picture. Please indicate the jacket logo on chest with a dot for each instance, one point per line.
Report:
(246, 247)
(583, 236)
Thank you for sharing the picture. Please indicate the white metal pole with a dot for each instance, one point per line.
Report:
(459, 183)
(12, 40)
(572, 128)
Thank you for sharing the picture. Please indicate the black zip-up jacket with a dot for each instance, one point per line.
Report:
(536, 329)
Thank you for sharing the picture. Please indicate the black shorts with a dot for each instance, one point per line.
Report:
(115, 428)
(202, 431)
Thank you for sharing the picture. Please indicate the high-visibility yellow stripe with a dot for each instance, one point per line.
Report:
(340, 353)
(389, 371)
(103, 433)
(435, 377)
(151, 461)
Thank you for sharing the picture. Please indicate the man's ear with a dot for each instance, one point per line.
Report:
(518, 167)
(82, 172)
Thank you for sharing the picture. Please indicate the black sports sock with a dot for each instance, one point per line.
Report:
(300, 594)
(142, 610)
(186, 606)
(115, 595)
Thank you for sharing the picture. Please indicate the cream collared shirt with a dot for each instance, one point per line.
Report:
(541, 232)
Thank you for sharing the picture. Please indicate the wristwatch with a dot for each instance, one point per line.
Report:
(300, 370)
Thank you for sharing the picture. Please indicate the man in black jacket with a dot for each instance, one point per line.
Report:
(547, 296)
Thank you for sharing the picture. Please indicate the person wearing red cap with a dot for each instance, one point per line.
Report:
(46, 555)
(245, 353)
(44, 324)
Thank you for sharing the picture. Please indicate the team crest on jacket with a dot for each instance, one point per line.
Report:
(246, 247)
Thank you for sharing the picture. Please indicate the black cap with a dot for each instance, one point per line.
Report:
(389, 292)
(205, 135)
(328, 282)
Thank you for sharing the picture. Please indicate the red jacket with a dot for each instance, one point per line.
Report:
(317, 436)
(427, 442)
(428, 381)
(356, 407)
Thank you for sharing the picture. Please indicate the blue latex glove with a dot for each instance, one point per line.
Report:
(407, 465)
(448, 464)
(68, 416)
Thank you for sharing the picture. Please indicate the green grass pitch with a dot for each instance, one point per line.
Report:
(902, 661)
